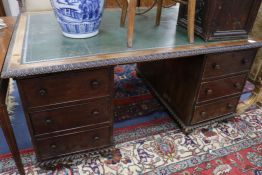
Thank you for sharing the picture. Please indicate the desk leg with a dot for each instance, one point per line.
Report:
(8, 130)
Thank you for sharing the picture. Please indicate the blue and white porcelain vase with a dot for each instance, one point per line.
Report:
(78, 18)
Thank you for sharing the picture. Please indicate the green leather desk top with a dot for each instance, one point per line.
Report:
(38, 46)
(44, 40)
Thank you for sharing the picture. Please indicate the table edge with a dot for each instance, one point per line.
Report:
(14, 69)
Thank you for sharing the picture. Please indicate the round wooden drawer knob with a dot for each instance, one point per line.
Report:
(216, 66)
(237, 85)
(42, 92)
(48, 121)
(96, 138)
(209, 91)
(245, 61)
(95, 83)
(53, 146)
(95, 112)
(203, 114)
(230, 106)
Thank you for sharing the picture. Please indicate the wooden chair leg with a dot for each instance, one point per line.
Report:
(255, 98)
(123, 13)
(131, 22)
(158, 13)
(191, 19)
(8, 130)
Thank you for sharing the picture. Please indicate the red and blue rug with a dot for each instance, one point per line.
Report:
(148, 141)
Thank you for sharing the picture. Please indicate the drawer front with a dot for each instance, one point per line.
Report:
(228, 63)
(72, 143)
(65, 87)
(213, 110)
(219, 88)
(90, 113)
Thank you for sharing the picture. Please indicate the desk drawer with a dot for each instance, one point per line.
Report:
(73, 143)
(90, 113)
(227, 63)
(213, 110)
(222, 87)
(65, 87)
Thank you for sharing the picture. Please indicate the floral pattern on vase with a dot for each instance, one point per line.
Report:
(78, 18)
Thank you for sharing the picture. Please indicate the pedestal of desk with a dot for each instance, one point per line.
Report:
(68, 112)
(200, 89)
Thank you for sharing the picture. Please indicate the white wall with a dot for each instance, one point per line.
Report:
(11, 7)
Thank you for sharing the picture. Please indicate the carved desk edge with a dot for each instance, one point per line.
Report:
(13, 68)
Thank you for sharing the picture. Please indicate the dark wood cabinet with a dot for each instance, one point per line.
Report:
(222, 19)
(199, 89)
(167, 79)
(69, 112)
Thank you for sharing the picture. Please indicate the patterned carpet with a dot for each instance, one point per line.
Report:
(148, 141)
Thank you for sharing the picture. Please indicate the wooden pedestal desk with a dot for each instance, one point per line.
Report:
(200, 89)
(66, 85)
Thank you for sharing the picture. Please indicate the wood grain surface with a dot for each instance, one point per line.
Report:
(5, 36)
